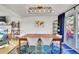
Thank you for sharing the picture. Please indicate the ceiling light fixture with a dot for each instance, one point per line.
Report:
(40, 9)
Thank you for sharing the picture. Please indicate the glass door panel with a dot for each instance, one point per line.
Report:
(70, 30)
(78, 33)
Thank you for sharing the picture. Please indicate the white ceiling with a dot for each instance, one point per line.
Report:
(21, 9)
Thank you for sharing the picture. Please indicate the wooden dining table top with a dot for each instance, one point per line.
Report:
(53, 36)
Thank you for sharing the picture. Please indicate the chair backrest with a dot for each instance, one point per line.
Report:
(21, 39)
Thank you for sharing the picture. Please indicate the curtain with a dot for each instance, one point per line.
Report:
(61, 19)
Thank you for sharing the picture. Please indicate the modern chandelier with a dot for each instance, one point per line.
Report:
(40, 9)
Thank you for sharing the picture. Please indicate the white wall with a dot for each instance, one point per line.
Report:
(28, 25)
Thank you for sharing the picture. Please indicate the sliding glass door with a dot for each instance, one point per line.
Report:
(72, 28)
